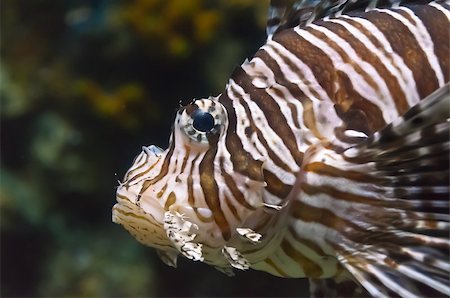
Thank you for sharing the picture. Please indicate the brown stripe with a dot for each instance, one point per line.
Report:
(275, 267)
(136, 216)
(191, 196)
(186, 157)
(308, 115)
(293, 89)
(279, 75)
(274, 157)
(211, 190)
(232, 208)
(306, 242)
(236, 193)
(403, 43)
(319, 63)
(310, 268)
(291, 106)
(161, 192)
(243, 162)
(272, 112)
(275, 186)
(308, 213)
(438, 27)
(129, 173)
(142, 173)
(190, 182)
(404, 14)
(346, 96)
(171, 199)
(309, 118)
(332, 192)
(123, 197)
(164, 169)
(174, 166)
(356, 111)
(327, 170)
(366, 55)
(375, 42)
(294, 112)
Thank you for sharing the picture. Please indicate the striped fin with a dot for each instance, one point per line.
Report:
(284, 14)
(383, 205)
(287, 14)
(412, 257)
(413, 153)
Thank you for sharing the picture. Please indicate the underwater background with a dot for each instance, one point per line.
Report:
(83, 85)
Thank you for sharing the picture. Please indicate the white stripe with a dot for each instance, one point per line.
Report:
(358, 82)
(308, 83)
(328, 265)
(397, 61)
(424, 279)
(422, 37)
(321, 106)
(387, 59)
(239, 179)
(388, 282)
(274, 142)
(441, 8)
(382, 95)
(317, 233)
(253, 146)
(354, 134)
(287, 264)
(262, 75)
(420, 257)
(282, 103)
(356, 272)
(141, 159)
(264, 71)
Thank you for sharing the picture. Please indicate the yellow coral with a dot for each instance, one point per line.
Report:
(175, 25)
(112, 104)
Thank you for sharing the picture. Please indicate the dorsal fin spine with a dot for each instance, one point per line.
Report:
(285, 14)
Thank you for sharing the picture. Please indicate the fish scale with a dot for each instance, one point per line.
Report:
(328, 156)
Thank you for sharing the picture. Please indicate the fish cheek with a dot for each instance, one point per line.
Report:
(211, 189)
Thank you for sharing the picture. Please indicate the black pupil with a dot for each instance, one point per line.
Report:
(203, 121)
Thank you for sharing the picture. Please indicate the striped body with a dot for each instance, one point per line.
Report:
(272, 164)
(349, 73)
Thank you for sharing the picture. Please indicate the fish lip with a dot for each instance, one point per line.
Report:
(153, 150)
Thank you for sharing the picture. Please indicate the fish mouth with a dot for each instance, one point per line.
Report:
(146, 226)
(139, 213)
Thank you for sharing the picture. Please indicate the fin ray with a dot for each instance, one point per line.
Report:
(397, 241)
(285, 14)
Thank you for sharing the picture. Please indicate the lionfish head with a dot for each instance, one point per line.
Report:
(195, 198)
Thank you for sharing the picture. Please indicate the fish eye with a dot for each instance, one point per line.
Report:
(203, 121)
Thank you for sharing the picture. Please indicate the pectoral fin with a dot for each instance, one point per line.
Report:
(383, 205)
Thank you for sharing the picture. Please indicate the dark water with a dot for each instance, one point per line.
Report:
(84, 84)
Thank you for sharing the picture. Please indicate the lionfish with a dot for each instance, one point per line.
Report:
(326, 156)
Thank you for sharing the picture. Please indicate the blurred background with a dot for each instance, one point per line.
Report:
(83, 85)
